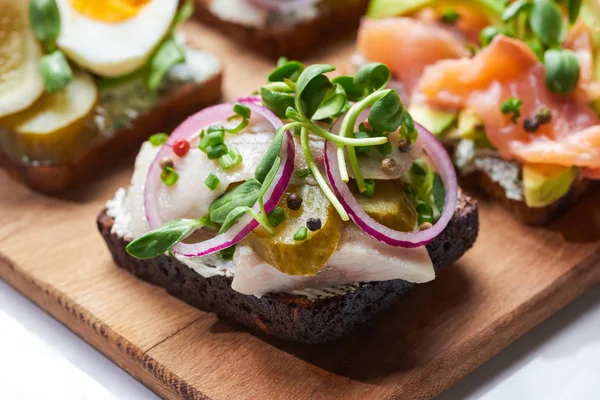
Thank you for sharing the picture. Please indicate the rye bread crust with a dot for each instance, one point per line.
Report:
(53, 178)
(528, 215)
(288, 316)
(289, 40)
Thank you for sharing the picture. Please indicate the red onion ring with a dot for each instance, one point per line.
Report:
(250, 99)
(438, 155)
(246, 224)
(283, 7)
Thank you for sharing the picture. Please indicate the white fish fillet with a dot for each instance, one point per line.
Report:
(190, 197)
(358, 258)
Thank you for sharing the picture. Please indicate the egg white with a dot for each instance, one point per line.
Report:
(114, 49)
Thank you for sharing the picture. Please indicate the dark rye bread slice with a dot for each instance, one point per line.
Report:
(52, 178)
(492, 185)
(292, 40)
(288, 316)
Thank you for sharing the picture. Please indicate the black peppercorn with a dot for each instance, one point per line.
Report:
(294, 202)
(313, 224)
(166, 162)
(404, 145)
(531, 125)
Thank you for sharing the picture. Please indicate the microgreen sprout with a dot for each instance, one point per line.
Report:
(541, 25)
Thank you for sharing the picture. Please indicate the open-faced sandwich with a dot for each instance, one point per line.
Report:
(275, 28)
(300, 213)
(81, 81)
(510, 87)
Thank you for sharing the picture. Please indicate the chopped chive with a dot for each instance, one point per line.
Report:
(169, 176)
(512, 106)
(241, 110)
(212, 181)
(227, 254)
(213, 138)
(231, 159)
(450, 16)
(216, 152)
(425, 212)
(158, 139)
(301, 234)
(370, 185)
(277, 216)
(303, 173)
(238, 128)
(213, 128)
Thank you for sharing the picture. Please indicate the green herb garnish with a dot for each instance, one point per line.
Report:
(56, 71)
(450, 16)
(512, 106)
(231, 159)
(212, 181)
(169, 176)
(303, 173)
(162, 239)
(227, 254)
(277, 216)
(301, 234)
(158, 139)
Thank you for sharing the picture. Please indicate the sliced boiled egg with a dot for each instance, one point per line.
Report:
(113, 37)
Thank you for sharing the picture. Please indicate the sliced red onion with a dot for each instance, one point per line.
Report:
(283, 6)
(250, 99)
(442, 161)
(246, 224)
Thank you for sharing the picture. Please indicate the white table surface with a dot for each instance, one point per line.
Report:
(559, 359)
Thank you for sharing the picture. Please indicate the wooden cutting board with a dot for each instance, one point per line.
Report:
(512, 279)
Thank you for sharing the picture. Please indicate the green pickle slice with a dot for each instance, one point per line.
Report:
(389, 206)
(306, 257)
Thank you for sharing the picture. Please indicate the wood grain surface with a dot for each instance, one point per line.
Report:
(512, 279)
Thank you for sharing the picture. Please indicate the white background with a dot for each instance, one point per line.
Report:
(41, 359)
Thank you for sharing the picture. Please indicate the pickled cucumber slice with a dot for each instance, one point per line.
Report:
(20, 77)
(306, 257)
(389, 206)
(53, 127)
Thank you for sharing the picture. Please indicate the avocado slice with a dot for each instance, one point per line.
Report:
(303, 257)
(390, 206)
(390, 8)
(544, 184)
(469, 126)
(434, 120)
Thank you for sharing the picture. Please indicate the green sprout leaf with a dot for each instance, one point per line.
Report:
(167, 55)
(270, 157)
(515, 9)
(562, 71)
(374, 75)
(450, 16)
(386, 114)
(573, 8)
(233, 216)
(490, 32)
(245, 194)
(332, 104)
(438, 191)
(276, 101)
(45, 21)
(288, 70)
(354, 91)
(309, 74)
(56, 71)
(546, 20)
(183, 14)
(162, 239)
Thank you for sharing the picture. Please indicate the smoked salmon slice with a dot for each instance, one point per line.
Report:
(407, 46)
(508, 68)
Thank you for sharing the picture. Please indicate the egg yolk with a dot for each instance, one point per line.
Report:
(109, 10)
